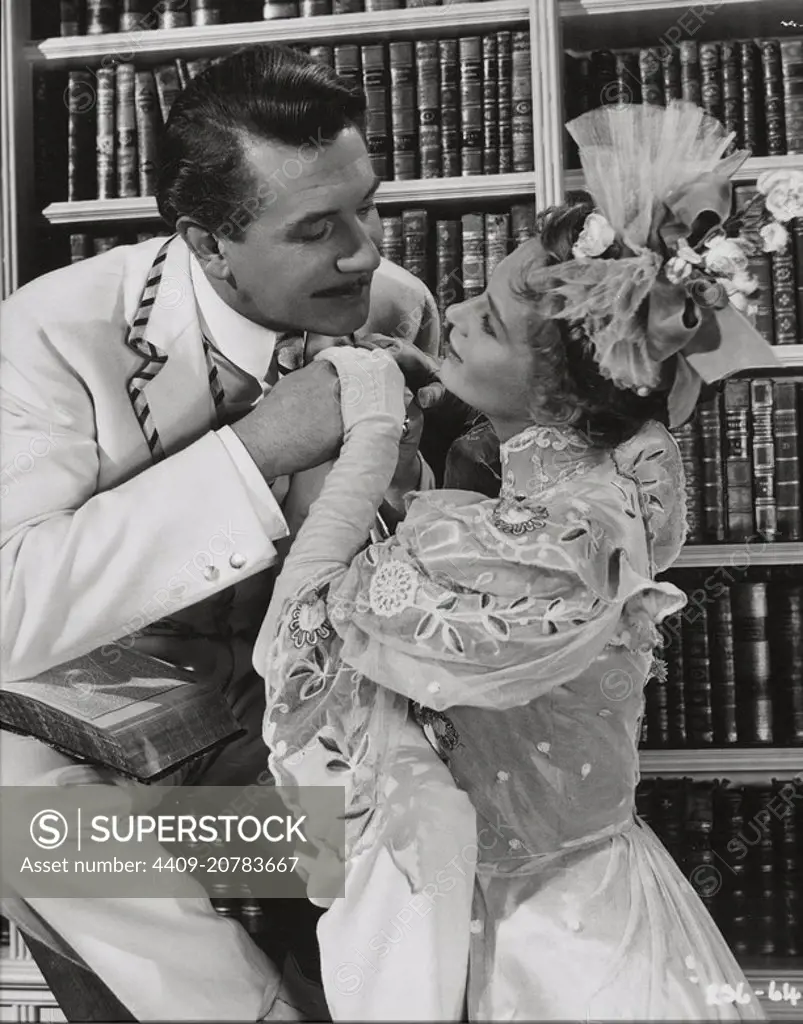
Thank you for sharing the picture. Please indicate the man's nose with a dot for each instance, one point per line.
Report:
(365, 257)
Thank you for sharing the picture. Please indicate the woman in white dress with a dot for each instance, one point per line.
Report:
(519, 631)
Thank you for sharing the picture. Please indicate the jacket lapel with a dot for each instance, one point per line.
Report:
(170, 389)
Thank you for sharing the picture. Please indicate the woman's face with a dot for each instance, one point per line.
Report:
(489, 362)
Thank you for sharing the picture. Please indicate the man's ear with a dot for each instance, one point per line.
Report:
(208, 249)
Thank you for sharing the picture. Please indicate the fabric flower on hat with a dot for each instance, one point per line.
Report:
(783, 192)
(597, 236)
(725, 257)
(774, 237)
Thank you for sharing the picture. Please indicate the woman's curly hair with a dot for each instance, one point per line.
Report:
(570, 389)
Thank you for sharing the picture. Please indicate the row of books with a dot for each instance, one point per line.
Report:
(730, 668)
(96, 17)
(754, 87)
(741, 456)
(436, 108)
(741, 847)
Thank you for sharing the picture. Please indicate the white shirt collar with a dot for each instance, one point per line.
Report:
(246, 344)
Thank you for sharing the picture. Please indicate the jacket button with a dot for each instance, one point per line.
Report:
(237, 561)
(211, 572)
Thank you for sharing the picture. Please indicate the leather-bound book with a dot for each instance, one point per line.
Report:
(732, 101)
(146, 107)
(126, 132)
(628, 79)
(792, 78)
(136, 16)
(490, 104)
(448, 265)
(784, 296)
(497, 240)
(762, 400)
(450, 107)
(348, 64)
(751, 652)
(210, 12)
(603, 86)
(699, 855)
(732, 908)
(697, 672)
(403, 114)
(688, 440)
(712, 470)
(393, 240)
(80, 247)
(763, 892)
(323, 54)
(786, 434)
(415, 232)
(167, 87)
(652, 77)
(670, 817)
(174, 14)
(711, 79)
(50, 145)
(785, 622)
(81, 130)
(789, 846)
(427, 68)
(105, 91)
(738, 461)
(473, 225)
(670, 66)
(760, 266)
(471, 105)
(796, 227)
(675, 682)
(753, 126)
(522, 222)
(522, 97)
(376, 85)
(690, 80)
(70, 20)
(101, 17)
(504, 84)
(723, 671)
(773, 96)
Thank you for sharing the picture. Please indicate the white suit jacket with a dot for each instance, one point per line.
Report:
(97, 540)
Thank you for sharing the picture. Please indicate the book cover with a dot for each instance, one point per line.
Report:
(688, 441)
(376, 83)
(81, 132)
(415, 232)
(785, 621)
(80, 246)
(490, 105)
(105, 141)
(773, 96)
(670, 65)
(504, 68)
(522, 222)
(732, 98)
(652, 77)
(69, 21)
(315, 8)
(450, 107)
(206, 12)
(471, 105)
(786, 436)
(711, 79)
(404, 117)
(522, 103)
(427, 66)
(147, 116)
(753, 132)
(323, 54)
(796, 227)
(167, 87)
(738, 461)
(348, 64)
(473, 248)
(675, 688)
(697, 673)
(393, 240)
(762, 400)
(126, 130)
(448, 265)
(101, 17)
(751, 653)
(712, 470)
(628, 79)
(497, 240)
(792, 80)
(173, 13)
(723, 671)
(784, 297)
(690, 81)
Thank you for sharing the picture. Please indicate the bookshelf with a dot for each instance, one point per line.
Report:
(555, 26)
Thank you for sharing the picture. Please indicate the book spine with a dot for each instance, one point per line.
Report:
(688, 440)
(732, 99)
(786, 431)
(697, 669)
(127, 165)
(383, 5)
(761, 405)
(504, 66)
(723, 671)
(751, 654)
(393, 240)
(786, 657)
(710, 79)
(104, 165)
(375, 85)
(80, 247)
(402, 111)
(738, 461)
(274, 10)
(773, 96)
(103, 243)
(790, 839)
(315, 8)
(673, 89)
(497, 240)
(415, 232)
(323, 54)
(490, 105)
(690, 82)
(652, 77)
(101, 17)
(698, 854)
(471, 104)
(50, 136)
(603, 84)
(523, 139)
(792, 75)
(69, 18)
(797, 243)
(628, 78)
(173, 13)
(348, 65)
(784, 296)
(760, 267)
(473, 225)
(81, 134)
(183, 72)
(146, 107)
(762, 882)
(450, 107)
(347, 6)
(752, 105)
(429, 110)
(675, 696)
(727, 841)
(167, 87)
(448, 257)
(713, 477)
(522, 223)
(136, 16)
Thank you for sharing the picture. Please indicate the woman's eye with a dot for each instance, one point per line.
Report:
(317, 236)
(487, 326)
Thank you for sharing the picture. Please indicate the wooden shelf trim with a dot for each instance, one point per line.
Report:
(420, 21)
(749, 171)
(782, 762)
(592, 8)
(742, 556)
(473, 188)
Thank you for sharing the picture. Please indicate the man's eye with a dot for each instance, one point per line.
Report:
(487, 326)
(364, 211)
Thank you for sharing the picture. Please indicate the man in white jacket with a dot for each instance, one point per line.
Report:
(147, 435)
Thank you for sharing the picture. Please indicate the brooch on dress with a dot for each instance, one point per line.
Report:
(438, 729)
(512, 517)
(308, 623)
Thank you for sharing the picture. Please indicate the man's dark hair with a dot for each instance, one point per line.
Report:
(263, 93)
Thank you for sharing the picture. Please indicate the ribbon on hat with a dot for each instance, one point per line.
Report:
(694, 320)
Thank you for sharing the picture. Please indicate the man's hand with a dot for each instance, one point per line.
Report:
(297, 425)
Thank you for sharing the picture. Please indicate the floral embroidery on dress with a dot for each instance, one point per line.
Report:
(512, 517)
(308, 624)
(392, 588)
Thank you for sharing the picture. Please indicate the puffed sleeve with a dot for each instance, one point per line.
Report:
(482, 604)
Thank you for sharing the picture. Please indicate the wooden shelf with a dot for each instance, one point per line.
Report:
(475, 188)
(749, 171)
(747, 764)
(766, 974)
(417, 23)
(739, 556)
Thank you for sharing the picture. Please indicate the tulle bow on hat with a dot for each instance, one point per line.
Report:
(679, 283)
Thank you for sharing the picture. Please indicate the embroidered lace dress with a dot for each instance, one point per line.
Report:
(521, 629)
